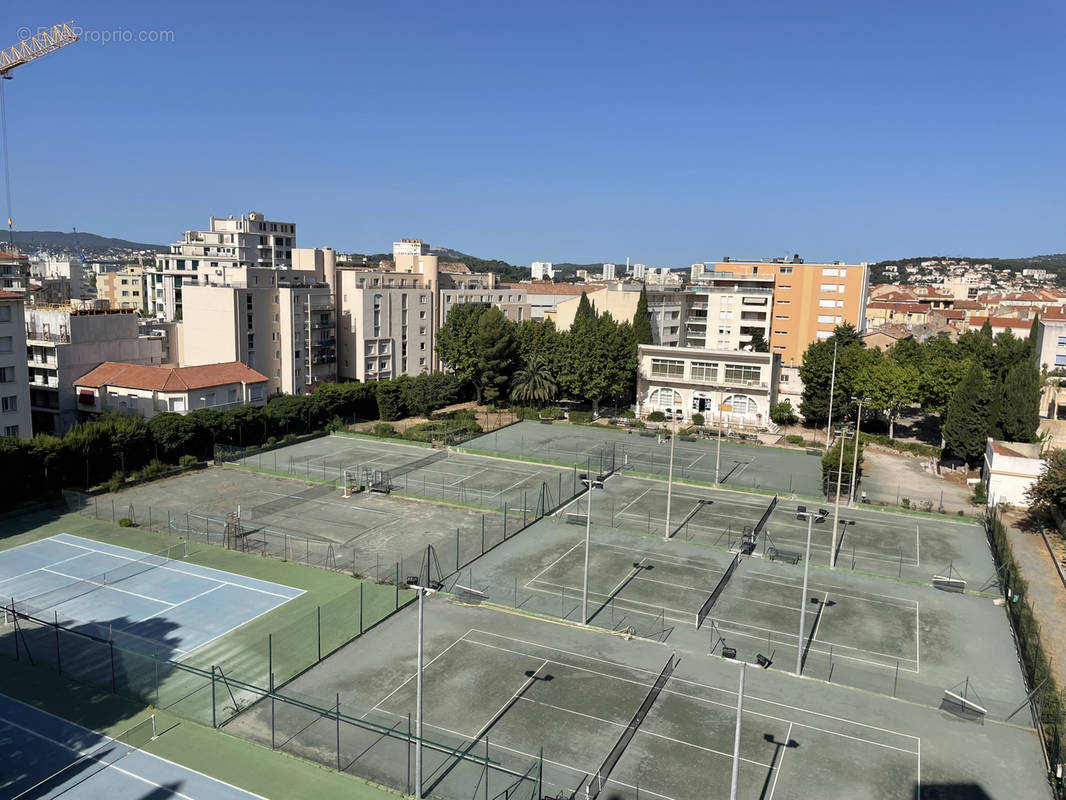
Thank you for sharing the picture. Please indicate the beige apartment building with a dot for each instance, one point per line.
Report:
(14, 373)
(123, 289)
(222, 252)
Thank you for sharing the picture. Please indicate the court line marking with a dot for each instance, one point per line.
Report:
(377, 705)
(777, 769)
(170, 568)
(110, 586)
(634, 500)
(45, 567)
(644, 731)
(183, 602)
(818, 620)
(556, 561)
(684, 617)
(676, 679)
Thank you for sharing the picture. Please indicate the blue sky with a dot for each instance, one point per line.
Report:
(582, 131)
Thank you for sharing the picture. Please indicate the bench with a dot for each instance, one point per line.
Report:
(790, 556)
(688, 438)
(545, 422)
(576, 519)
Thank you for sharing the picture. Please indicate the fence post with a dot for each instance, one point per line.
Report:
(113, 518)
(505, 519)
(319, 632)
(338, 732)
(361, 585)
(397, 586)
(456, 549)
(214, 719)
(270, 661)
(59, 663)
(111, 650)
(273, 745)
(524, 505)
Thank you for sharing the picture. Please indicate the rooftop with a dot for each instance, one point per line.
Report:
(169, 379)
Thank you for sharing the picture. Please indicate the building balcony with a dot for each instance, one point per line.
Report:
(330, 342)
(44, 382)
(35, 336)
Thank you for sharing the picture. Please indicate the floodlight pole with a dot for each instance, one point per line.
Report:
(418, 702)
(855, 458)
(736, 737)
(670, 483)
(842, 434)
(718, 454)
(803, 596)
(832, 388)
(588, 537)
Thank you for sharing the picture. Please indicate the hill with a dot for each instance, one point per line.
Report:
(90, 242)
(1054, 263)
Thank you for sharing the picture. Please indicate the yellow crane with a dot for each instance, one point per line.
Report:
(40, 44)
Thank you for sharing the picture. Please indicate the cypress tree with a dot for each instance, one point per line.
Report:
(1034, 333)
(584, 311)
(1019, 417)
(966, 427)
(986, 329)
(642, 320)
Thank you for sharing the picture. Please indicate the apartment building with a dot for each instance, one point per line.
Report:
(281, 323)
(147, 391)
(14, 373)
(607, 273)
(809, 300)
(227, 247)
(14, 272)
(728, 387)
(1051, 344)
(64, 343)
(542, 270)
(638, 271)
(78, 275)
(124, 288)
(544, 296)
(389, 318)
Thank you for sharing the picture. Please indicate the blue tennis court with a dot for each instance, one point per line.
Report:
(150, 601)
(43, 756)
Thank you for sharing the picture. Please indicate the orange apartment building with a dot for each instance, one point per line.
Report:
(810, 300)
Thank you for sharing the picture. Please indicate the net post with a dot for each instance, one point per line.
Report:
(524, 505)
(155, 733)
(482, 534)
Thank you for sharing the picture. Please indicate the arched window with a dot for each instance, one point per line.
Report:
(742, 404)
(664, 398)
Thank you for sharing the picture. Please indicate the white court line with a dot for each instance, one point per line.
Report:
(556, 561)
(676, 679)
(777, 769)
(183, 602)
(635, 500)
(99, 586)
(377, 705)
(143, 752)
(46, 567)
(170, 568)
(836, 589)
(818, 619)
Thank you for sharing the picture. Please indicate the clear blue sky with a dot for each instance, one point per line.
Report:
(668, 132)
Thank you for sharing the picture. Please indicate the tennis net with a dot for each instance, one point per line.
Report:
(64, 594)
(88, 763)
(598, 780)
(708, 604)
(439, 455)
(766, 515)
(288, 502)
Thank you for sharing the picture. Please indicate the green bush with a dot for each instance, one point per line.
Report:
(580, 417)
(917, 448)
(154, 469)
(456, 428)
(629, 414)
(698, 419)
(656, 416)
(794, 438)
(384, 430)
(524, 412)
(552, 412)
(188, 461)
(125, 522)
(783, 414)
(979, 498)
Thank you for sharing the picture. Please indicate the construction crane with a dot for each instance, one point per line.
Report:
(40, 44)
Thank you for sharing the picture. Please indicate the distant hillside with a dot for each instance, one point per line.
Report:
(90, 242)
(1054, 263)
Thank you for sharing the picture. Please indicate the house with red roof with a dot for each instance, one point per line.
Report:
(149, 390)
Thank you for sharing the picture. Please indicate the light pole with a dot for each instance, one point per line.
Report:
(424, 585)
(803, 597)
(832, 389)
(855, 457)
(842, 435)
(670, 482)
(734, 780)
(590, 484)
(723, 408)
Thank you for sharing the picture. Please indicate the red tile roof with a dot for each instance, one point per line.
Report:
(911, 308)
(169, 379)
(969, 304)
(6, 295)
(1001, 322)
(948, 313)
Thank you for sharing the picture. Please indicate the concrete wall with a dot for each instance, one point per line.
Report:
(13, 360)
(1007, 477)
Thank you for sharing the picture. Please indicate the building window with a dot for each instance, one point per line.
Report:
(421, 362)
(781, 316)
(832, 288)
(667, 368)
(830, 272)
(5, 313)
(1062, 341)
(5, 344)
(9, 403)
(785, 286)
(786, 270)
(664, 398)
(11, 430)
(784, 302)
(725, 331)
(742, 373)
(7, 374)
(823, 334)
(828, 319)
(421, 345)
(706, 371)
(742, 404)
(784, 377)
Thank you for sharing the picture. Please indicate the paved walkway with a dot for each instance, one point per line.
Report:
(1046, 592)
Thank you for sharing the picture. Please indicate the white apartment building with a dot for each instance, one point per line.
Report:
(410, 247)
(80, 277)
(227, 248)
(63, 343)
(725, 386)
(607, 273)
(281, 323)
(14, 272)
(1051, 344)
(14, 373)
(542, 270)
(638, 271)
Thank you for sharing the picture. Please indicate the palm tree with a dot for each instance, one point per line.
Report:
(534, 382)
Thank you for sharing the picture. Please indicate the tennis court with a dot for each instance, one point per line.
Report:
(535, 698)
(752, 466)
(413, 470)
(44, 756)
(154, 603)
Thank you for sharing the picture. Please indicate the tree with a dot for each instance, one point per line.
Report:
(540, 339)
(390, 400)
(783, 413)
(965, 429)
(1048, 493)
(534, 383)
(939, 380)
(642, 319)
(890, 388)
(584, 312)
(495, 348)
(757, 343)
(600, 359)
(986, 328)
(816, 372)
(173, 433)
(455, 341)
(1034, 335)
(1019, 413)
